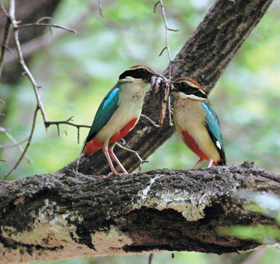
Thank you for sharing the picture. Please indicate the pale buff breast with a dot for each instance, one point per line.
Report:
(189, 116)
(130, 106)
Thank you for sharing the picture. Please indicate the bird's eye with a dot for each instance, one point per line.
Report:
(143, 71)
(184, 85)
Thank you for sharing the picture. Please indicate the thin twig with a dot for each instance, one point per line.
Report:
(150, 120)
(27, 145)
(166, 29)
(22, 62)
(166, 35)
(40, 42)
(170, 112)
(100, 8)
(16, 144)
(46, 25)
(42, 19)
(66, 122)
(162, 51)
(136, 153)
(12, 23)
(166, 98)
(150, 258)
(155, 6)
(5, 43)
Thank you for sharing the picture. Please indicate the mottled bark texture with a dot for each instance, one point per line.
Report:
(204, 57)
(60, 215)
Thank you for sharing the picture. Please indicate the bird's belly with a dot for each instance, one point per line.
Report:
(123, 132)
(192, 130)
(98, 143)
(200, 143)
(119, 125)
(190, 142)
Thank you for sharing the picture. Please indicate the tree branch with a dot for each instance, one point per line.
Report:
(204, 57)
(16, 144)
(63, 215)
(27, 145)
(5, 43)
(12, 23)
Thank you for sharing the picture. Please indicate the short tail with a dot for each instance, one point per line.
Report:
(222, 161)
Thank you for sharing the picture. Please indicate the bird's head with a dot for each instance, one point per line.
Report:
(186, 87)
(138, 73)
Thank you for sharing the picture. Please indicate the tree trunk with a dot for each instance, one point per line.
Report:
(62, 215)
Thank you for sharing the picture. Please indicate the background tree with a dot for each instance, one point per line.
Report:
(242, 97)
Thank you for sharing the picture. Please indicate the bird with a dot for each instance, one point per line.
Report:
(118, 113)
(196, 122)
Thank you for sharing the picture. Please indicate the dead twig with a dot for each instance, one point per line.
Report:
(165, 84)
(100, 8)
(150, 120)
(136, 153)
(155, 6)
(37, 24)
(27, 145)
(166, 35)
(162, 86)
(66, 122)
(22, 62)
(150, 258)
(12, 23)
(5, 42)
(16, 144)
(40, 42)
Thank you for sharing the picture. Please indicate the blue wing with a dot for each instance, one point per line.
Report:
(105, 111)
(214, 129)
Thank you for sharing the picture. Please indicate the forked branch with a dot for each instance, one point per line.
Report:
(13, 24)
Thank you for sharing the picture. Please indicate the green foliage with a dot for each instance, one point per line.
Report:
(261, 234)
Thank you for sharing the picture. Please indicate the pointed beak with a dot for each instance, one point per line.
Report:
(157, 81)
(173, 89)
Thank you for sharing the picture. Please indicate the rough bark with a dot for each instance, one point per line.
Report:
(204, 57)
(55, 216)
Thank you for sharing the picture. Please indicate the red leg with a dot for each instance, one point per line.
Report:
(210, 163)
(199, 161)
(111, 152)
(114, 172)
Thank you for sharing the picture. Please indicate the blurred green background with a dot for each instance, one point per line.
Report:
(77, 70)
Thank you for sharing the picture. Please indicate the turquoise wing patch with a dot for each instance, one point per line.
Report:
(213, 126)
(104, 113)
(212, 122)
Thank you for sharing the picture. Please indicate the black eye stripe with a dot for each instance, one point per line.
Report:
(189, 90)
(137, 73)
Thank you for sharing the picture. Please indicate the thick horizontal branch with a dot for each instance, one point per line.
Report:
(56, 216)
(204, 57)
